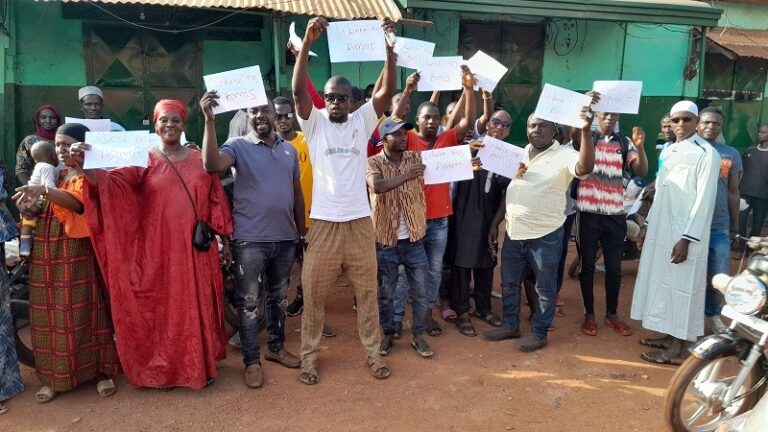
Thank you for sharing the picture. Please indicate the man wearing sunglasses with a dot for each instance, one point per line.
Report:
(285, 126)
(670, 290)
(342, 234)
(601, 218)
(472, 259)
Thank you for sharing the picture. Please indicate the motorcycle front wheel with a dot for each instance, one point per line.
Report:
(694, 399)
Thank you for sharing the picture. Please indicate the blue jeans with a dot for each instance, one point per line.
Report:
(543, 256)
(413, 258)
(262, 277)
(435, 243)
(717, 262)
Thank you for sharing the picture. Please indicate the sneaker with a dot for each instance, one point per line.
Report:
(284, 358)
(386, 345)
(296, 307)
(398, 330)
(329, 331)
(253, 376)
(501, 333)
(532, 343)
(234, 341)
(420, 345)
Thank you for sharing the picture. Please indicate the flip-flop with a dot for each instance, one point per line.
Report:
(660, 357)
(106, 388)
(489, 318)
(433, 328)
(449, 315)
(45, 394)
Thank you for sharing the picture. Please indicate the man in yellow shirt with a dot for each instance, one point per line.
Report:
(285, 126)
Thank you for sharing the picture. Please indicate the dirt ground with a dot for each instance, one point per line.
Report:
(577, 383)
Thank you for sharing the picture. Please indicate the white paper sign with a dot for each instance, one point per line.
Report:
(618, 96)
(441, 73)
(412, 53)
(356, 41)
(239, 88)
(117, 149)
(182, 138)
(295, 40)
(488, 71)
(447, 164)
(95, 125)
(500, 157)
(560, 105)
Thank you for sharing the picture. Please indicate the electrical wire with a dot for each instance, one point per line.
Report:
(146, 27)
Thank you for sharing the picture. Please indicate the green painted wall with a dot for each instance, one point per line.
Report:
(746, 16)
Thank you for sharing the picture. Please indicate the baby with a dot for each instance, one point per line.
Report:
(46, 173)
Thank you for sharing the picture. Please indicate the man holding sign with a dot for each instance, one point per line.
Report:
(438, 195)
(534, 209)
(268, 209)
(342, 234)
(474, 205)
(601, 218)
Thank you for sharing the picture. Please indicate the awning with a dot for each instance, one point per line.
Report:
(684, 12)
(338, 9)
(740, 42)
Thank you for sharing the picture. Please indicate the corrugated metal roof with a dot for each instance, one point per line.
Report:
(340, 9)
(742, 42)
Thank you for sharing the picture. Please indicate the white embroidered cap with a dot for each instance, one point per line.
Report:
(89, 90)
(686, 106)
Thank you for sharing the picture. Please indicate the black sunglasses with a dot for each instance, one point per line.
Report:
(330, 97)
(677, 120)
(286, 116)
(497, 122)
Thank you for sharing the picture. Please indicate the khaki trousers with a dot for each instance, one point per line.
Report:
(334, 246)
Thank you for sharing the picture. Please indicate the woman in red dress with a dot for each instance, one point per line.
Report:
(166, 295)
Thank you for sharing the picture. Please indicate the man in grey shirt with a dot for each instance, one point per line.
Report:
(269, 218)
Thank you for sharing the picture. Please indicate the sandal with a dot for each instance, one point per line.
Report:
(655, 342)
(3, 409)
(619, 326)
(465, 326)
(433, 328)
(490, 318)
(589, 328)
(106, 388)
(309, 377)
(660, 357)
(45, 394)
(449, 315)
(379, 369)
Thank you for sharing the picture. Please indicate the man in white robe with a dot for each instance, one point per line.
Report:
(669, 292)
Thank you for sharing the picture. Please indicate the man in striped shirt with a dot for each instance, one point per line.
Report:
(601, 219)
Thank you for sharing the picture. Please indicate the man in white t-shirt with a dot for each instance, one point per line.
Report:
(342, 233)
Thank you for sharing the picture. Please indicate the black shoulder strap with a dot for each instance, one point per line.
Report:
(183, 183)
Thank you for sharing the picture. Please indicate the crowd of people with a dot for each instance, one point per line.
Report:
(118, 285)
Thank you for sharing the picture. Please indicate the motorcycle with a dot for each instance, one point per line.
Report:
(726, 373)
(752, 421)
(16, 281)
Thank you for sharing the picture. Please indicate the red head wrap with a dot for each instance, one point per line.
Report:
(39, 131)
(170, 105)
